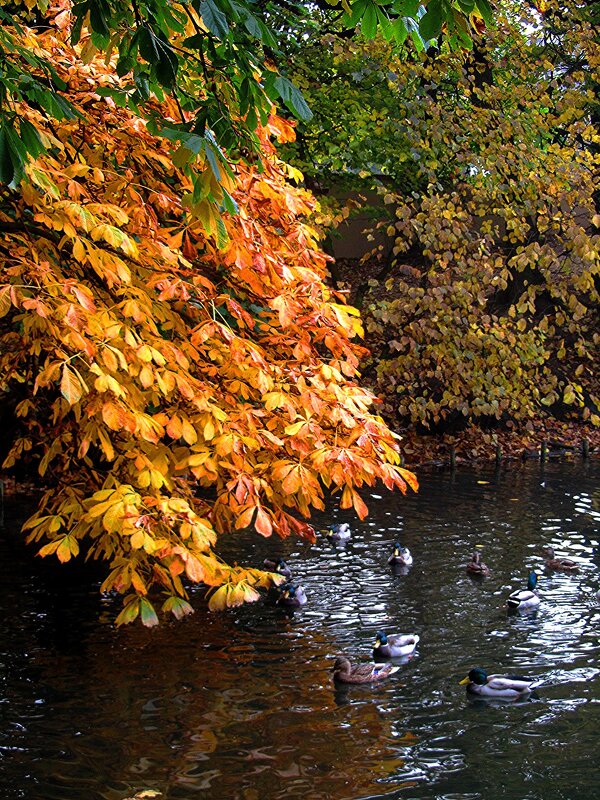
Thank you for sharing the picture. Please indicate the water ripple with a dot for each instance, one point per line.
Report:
(242, 705)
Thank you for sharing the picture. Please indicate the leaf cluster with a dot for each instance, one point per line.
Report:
(173, 376)
(487, 307)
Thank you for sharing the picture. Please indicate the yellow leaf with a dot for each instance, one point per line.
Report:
(70, 386)
(359, 505)
(112, 521)
(188, 432)
(218, 600)
(106, 445)
(67, 547)
(50, 548)
(209, 430)
(292, 430)
(145, 353)
(410, 478)
(292, 481)
(146, 376)
(137, 540)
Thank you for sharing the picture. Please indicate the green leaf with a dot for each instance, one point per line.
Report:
(97, 20)
(358, 9)
(168, 64)
(413, 29)
(130, 612)
(31, 138)
(212, 157)
(369, 22)
(430, 24)
(214, 19)
(147, 45)
(292, 97)
(407, 8)
(485, 9)
(222, 235)
(229, 203)
(149, 618)
(7, 170)
(399, 30)
(117, 95)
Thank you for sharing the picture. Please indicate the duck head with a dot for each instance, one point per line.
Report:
(476, 675)
(380, 639)
(532, 581)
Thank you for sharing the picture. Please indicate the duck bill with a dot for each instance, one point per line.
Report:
(464, 681)
(376, 644)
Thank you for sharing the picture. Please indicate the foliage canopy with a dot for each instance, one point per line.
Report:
(173, 377)
(485, 306)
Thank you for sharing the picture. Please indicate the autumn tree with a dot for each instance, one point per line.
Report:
(487, 307)
(222, 62)
(173, 376)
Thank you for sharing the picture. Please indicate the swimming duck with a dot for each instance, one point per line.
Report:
(564, 564)
(344, 672)
(525, 598)
(339, 533)
(396, 645)
(279, 566)
(477, 567)
(291, 595)
(507, 687)
(400, 556)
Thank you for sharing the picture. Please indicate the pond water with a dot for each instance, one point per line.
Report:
(242, 704)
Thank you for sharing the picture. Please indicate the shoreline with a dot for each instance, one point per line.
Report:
(542, 440)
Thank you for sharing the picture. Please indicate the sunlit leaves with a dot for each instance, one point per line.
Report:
(170, 385)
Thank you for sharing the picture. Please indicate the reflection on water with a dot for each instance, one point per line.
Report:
(242, 705)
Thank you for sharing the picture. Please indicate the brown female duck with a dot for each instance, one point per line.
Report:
(477, 567)
(564, 564)
(344, 672)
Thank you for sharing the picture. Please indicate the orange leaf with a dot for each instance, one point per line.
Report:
(263, 523)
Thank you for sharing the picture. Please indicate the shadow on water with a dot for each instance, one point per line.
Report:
(242, 704)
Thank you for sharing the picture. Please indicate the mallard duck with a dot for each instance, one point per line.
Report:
(396, 645)
(507, 687)
(477, 567)
(525, 598)
(344, 672)
(401, 556)
(291, 595)
(279, 566)
(564, 564)
(339, 533)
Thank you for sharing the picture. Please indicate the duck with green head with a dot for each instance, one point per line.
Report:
(401, 556)
(344, 672)
(394, 646)
(291, 595)
(525, 598)
(502, 687)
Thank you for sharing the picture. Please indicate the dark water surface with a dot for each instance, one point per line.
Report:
(242, 705)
